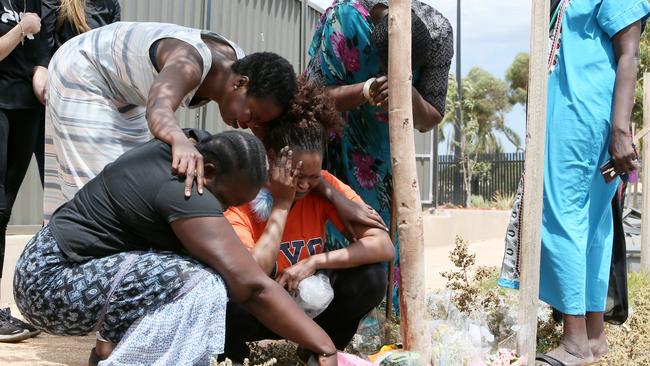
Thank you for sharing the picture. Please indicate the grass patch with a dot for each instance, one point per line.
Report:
(629, 344)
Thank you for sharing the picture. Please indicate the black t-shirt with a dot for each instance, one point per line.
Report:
(98, 13)
(129, 206)
(17, 68)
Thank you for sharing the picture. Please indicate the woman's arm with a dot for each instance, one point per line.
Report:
(29, 24)
(425, 115)
(39, 83)
(349, 212)
(346, 97)
(213, 241)
(282, 186)
(9, 41)
(181, 70)
(266, 249)
(626, 49)
(373, 246)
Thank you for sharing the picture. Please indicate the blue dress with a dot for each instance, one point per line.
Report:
(577, 227)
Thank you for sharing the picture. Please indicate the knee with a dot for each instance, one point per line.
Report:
(376, 275)
(371, 281)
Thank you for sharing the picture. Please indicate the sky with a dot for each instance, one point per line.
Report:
(492, 34)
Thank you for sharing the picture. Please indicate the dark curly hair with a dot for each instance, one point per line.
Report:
(310, 117)
(270, 76)
(421, 41)
(234, 151)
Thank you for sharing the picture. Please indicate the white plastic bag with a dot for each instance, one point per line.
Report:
(314, 294)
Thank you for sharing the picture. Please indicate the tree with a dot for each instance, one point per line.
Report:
(517, 78)
(644, 66)
(485, 103)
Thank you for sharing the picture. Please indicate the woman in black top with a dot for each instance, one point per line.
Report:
(130, 246)
(23, 73)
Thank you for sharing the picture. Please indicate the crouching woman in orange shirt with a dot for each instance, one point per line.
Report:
(284, 229)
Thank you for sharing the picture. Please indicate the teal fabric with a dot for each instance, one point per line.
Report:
(341, 54)
(577, 228)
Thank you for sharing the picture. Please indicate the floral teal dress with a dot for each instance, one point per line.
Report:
(341, 53)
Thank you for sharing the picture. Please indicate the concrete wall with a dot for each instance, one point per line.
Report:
(441, 228)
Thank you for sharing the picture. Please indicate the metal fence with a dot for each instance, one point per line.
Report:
(502, 175)
(256, 25)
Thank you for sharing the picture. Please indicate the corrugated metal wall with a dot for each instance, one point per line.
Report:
(256, 25)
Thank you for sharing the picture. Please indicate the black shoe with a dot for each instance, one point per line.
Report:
(5, 315)
(12, 333)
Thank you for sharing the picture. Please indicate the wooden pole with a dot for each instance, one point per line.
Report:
(637, 137)
(645, 213)
(391, 266)
(407, 194)
(533, 184)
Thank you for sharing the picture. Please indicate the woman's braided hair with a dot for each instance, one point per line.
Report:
(309, 118)
(235, 151)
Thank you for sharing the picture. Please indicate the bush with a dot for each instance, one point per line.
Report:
(503, 201)
(478, 202)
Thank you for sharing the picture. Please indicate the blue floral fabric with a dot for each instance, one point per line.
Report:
(106, 294)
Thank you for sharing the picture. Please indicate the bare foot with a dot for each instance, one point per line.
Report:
(570, 356)
(104, 348)
(599, 347)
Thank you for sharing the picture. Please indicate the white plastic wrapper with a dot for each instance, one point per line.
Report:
(314, 294)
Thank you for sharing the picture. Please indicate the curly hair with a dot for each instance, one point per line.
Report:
(310, 117)
(421, 41)
(270, 76)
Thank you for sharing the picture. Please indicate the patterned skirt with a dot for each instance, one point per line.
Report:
(110, 294)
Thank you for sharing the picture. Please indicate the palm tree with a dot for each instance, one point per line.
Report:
(485, 102)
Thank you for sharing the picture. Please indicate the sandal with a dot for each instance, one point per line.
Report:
(549, 360)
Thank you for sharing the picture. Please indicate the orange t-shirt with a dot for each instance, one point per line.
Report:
(304, 232)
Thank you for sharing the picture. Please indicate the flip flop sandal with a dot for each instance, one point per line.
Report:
(549, 360)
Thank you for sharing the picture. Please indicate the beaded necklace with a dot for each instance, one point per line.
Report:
(555, 35)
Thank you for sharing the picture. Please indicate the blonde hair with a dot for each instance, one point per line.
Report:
(73, 11)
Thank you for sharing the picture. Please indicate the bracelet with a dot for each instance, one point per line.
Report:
(22, 33)
(366, 89)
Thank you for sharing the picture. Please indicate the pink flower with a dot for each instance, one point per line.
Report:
(363, 170)
(361, 9)
(505, 357)
(349, 56)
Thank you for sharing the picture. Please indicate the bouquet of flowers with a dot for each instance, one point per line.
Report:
(505, 357)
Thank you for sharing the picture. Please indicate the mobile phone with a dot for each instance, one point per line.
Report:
(609, 172)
